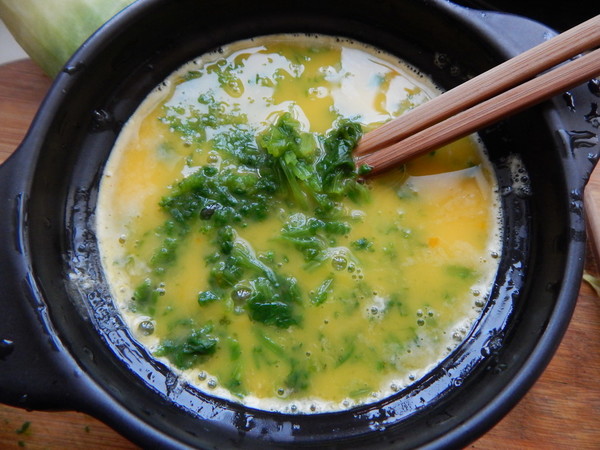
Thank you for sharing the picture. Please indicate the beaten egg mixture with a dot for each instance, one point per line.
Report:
(246, 252)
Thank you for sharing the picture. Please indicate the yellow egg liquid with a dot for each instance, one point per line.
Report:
(402, 286)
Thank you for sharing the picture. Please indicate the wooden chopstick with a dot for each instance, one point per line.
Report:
(447, 117)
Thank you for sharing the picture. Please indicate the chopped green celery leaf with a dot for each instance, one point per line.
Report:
(192, 75)
(246, 258)
(234, 382)
(310, 235)
(185, 351)
(333, 174)
(362, 244)
(300, 169)
(462, 272)
(271, 312)
(380, 366)
(241, 145)
(223, 197)
(307, 146)
(165, 150)
(271, 345)
(322, 292)
(313, 259)
(225, 239)
(300, 225)
(271, 304)
(295, 186)
(285, 136)
(395, 303)
(145, 297)
(260, 357)
(207, 297)
(358, 193)
(235, 350)
(360, 392)
(326, 208)
(216, 116)
(299, 377)
(225, 274)
(165, 256)
(347, 351)
(307, 244)
(270, 297)
(364, 169)
(227, 76)
(184, 322)
(337, 227)
(337, 163)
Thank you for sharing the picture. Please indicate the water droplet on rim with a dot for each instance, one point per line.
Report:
(73, 68)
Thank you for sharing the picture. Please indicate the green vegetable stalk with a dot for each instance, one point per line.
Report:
(51, 30)
(594, 281)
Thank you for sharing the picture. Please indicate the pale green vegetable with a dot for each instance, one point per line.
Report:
(593, 281)
(51, 30)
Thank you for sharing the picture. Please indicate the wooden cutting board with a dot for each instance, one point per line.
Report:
(562, 411)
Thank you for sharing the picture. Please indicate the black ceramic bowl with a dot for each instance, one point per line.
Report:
(63, 344)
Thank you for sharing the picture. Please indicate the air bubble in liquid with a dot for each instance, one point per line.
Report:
(338, 262)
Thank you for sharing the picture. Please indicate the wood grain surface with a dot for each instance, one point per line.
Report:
(562, 410)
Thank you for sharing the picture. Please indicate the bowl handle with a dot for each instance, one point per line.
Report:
(35, 370)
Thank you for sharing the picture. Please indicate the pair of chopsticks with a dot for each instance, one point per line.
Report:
(513, 86)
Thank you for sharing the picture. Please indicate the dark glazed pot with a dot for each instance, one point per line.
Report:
(63, 344)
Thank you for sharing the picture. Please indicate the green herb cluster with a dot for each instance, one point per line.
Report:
(283, 165)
